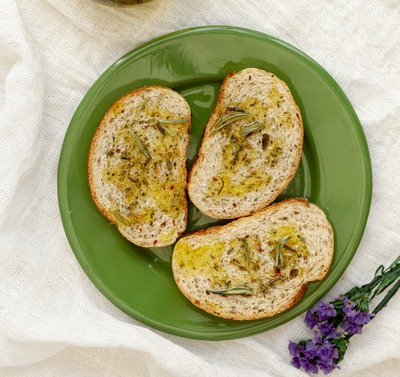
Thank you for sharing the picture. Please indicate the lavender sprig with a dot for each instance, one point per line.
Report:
(337, 321)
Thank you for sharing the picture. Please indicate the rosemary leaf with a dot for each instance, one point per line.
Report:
(119, 218)
(217, 124)
(160, 128)
(227, 119)
(282, 260)
(232, 291)
(141, 146)
(255, 126)
(173, 121)
(274, 280)
(279, 259)
(286, 247)
(142, 104)
(164, 129)
(247, 252)
(277, 252)
(283, 242)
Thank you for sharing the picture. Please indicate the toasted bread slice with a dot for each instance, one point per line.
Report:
(251, 147)
(137, 165)
(256, 266)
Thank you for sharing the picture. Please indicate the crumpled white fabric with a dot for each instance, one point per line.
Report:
(53, 321)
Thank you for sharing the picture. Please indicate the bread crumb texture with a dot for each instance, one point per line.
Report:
(251, 147)
(137, 165)
(258, 266)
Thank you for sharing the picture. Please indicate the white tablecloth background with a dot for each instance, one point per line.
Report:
(53, 321)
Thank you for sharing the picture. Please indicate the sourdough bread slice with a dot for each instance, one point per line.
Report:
(256, 266)
(137, 165)
(251, 147)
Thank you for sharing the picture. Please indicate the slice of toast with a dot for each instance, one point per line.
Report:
(256, 266)
(137, 165)
(251, 147)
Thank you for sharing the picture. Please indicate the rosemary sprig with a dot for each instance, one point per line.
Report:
(286, 247)
(247, 252)
(119, 218)
(173, 121)
(227, 119)
(164, 129)
(161, 129)
(141, 105)
(279, 259)
(274, 280)
(232, 291)
(141, 146)
(255, 126)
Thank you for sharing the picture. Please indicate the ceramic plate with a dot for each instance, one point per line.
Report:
(334, 173)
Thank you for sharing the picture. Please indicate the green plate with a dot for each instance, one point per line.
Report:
(335, 170)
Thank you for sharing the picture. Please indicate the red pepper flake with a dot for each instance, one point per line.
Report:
(171, 187)
(118, 150)
(173, 222)
(154, 242)
(164, 223)
(234, 204)
(277, 272)
(215, 179)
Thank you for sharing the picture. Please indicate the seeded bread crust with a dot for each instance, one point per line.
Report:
(137, 167)
(234, 176)
(215, 260)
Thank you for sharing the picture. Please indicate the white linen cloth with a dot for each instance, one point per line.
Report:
(53, 321)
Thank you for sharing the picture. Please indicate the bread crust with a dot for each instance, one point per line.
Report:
(212, 260)
(233, 204)
(157, 102)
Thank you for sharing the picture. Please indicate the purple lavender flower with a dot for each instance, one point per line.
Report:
(326, 368)
(308, 365)
(351, 328)
(295, 349)
(325, 311)
(296, 362)
(370, 316)
(317, 353)
(327, 352)
(348, 305)
(328, 330)
(362, 318)
(354, 319)
(339, 320)
(311, 319)
(312, 346)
